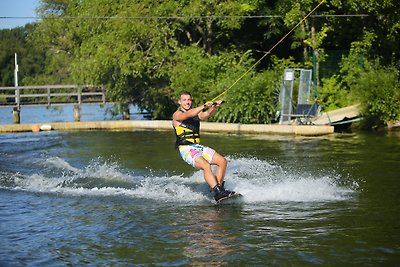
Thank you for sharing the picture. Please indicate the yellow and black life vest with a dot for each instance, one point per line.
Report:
(188, 132)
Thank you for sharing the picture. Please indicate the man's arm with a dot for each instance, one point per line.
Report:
(180, 116)
(212, 109)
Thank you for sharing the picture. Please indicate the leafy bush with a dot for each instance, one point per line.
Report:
(250, 100)
(253, 100)
(332, 95)
(378, 90)
(367, 82)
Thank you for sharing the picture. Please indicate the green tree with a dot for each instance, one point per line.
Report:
(251, 100)
(384, 22)
(142, 60)
(56, 38)
(204, 25)
(133, 57)
(30, 57)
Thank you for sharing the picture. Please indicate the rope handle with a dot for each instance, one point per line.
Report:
(209, 104)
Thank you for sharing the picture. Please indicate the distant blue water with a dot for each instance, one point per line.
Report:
(64, 113)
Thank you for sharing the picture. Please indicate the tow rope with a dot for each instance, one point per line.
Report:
(267, 53)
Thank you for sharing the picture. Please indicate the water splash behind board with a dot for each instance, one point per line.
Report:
(257, 180)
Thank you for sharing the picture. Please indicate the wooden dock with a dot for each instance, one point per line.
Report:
(338, 115)
(50, 95)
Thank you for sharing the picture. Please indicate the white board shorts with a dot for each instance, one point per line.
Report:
(189, 153)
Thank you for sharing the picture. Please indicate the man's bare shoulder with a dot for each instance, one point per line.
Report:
(176, 114)
(176, 121)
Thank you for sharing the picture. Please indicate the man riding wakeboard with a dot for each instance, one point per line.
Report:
(186, 123)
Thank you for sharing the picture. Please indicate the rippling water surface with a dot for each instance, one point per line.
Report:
(125, 198)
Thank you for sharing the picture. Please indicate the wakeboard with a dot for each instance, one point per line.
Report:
(232, 198)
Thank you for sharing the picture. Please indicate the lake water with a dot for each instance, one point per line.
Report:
(64, 113)
(100, 198)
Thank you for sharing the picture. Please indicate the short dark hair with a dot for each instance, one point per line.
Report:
(184, 92)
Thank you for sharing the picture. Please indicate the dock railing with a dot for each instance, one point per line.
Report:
(51, 95)
(48, 95)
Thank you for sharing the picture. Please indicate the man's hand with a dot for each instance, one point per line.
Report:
(208, 104)
(217, 103)
(212, 104)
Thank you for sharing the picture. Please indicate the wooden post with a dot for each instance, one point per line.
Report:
(16, 115)
(315, 55)
(17, 97)
(79, 95)
(125, 111)
(48, 97)
(103, 96)
(77, 112)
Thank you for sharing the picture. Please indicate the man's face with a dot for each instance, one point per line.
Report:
(185, 102)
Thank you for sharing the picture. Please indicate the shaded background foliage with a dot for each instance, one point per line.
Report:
(145, 52)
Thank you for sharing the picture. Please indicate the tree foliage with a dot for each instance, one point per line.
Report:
(250, 100)
(378, 90)
(30, 58)
(145, 52)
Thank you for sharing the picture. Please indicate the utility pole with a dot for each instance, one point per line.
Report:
(16, 109)
(15, 71)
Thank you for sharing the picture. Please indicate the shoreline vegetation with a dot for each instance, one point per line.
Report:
(147, 60)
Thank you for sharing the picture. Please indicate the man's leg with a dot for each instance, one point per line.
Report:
(201, 163)
(221, 163)
(211, 179)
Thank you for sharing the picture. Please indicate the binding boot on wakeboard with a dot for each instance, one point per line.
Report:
(220, 193)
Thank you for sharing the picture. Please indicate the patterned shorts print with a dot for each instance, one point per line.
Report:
(189, 153)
